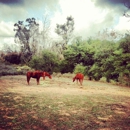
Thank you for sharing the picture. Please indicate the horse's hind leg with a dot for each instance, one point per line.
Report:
(81, 81)
(77, 81)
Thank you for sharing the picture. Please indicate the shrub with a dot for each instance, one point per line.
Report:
(7, 70)
(124, 79)
(79, 68)
(103, 79)
(94, 72)
(13, 58)
(11, 69)
(46, 62)
(23, 69)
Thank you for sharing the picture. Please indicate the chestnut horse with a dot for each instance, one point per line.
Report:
(36, 75)
(79, 77)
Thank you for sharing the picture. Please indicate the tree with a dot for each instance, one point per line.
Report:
(125, 44)
(123, 61)
(24, 33)
(65, 31)
(77, 53)
(94, 72)
(109, 35)
(45, 33)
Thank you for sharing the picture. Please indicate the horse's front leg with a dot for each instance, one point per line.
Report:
(43, 77)
(28, 79)
(38, 80)
(80, 81)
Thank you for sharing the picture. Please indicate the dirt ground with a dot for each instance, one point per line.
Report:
(60, 85)
(65, 86)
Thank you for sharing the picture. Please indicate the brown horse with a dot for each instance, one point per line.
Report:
(79, 77)
(36, 75)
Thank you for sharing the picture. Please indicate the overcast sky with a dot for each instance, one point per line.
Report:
(90, 16)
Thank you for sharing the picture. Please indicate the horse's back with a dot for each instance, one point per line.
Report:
(34, 74)
(79, 76)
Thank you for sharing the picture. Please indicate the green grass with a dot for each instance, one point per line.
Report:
(51, 111)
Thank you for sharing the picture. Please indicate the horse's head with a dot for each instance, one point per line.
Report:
(50, 76)
(73, 79)
(46, 74)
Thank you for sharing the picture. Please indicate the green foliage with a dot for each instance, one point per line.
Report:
(125, 78)
(78, 53)
(122, 63)
(103, 62)
(47, 62)
(125, 44)
(99, 58)
(23, 69)
(95, 58)
(95, 72)
(65, 66)
(79, 68)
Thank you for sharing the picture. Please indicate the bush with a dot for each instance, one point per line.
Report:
(103, 79)
(124, 79)
(7, 70)
(13, 58)
(66, 67)
(23, 69)
(79, 68)
(11, 69)
(94, 72)
(46, 62)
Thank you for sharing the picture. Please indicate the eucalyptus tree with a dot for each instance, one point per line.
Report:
(26, 34)
(65, 31)
(45, 33)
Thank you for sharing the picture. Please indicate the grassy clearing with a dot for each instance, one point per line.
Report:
(60, 104)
